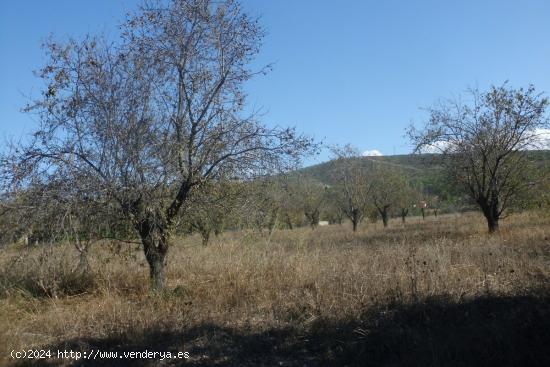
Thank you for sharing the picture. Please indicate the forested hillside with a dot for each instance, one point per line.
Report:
(425, 171)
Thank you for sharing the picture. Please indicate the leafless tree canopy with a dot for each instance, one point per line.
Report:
(483, 139)
(145, 120)
(353, 188)
(388, 186)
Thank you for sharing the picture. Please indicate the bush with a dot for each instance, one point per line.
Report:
(47, 273)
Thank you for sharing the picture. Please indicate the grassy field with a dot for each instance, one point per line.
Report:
(439, 292)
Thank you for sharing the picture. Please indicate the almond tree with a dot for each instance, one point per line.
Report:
(483, 139)
(210, 208)
(406, 199)
(351, 187)
(309, 195)
(143, 121)
(388, 184)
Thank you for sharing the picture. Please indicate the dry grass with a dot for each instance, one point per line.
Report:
(302, 297)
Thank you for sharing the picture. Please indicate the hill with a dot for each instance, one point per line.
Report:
(425, 171)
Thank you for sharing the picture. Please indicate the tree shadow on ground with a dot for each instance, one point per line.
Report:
(489, 331)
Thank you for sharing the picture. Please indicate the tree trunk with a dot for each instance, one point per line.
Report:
(491, 213)
(384, 214)
(492, 224)
(156, 271)
(354, 223)
(154, 230)
(155, 247)
(404, 213)
(355, 219)
(423, 213)
(313, 218)
(492, 219)
(205, 234)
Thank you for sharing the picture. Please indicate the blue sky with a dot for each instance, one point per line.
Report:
(354, 72)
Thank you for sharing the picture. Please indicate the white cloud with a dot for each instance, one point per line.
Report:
(372, 153)
(541, 139)
(437, 147)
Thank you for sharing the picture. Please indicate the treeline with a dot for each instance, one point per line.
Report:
(356, 189)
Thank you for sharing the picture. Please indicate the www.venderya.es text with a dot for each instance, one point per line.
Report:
(95, 354)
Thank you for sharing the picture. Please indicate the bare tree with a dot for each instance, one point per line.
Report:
(262, 204)
(333, 210)
(309, 195)
(435, 203)
(290, 207)
(406, 199)
(210, 208)
(483, 140)
(388, 184)
(352, 187)
(146, 120)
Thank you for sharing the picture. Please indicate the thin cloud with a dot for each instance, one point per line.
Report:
(541, 140)
(437, 147)
(372, 153)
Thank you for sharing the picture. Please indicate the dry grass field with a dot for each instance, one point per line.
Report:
(439, 292)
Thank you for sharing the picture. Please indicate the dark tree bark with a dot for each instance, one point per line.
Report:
(404, 212)
(492, 224)
(154, 238)
(385, 219)
(355, 219)
(155, 250)
(490, 209)
(313, 218)
(384, 214)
